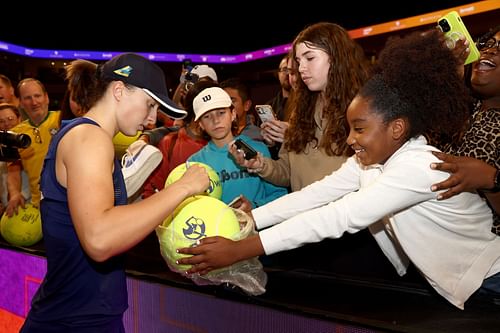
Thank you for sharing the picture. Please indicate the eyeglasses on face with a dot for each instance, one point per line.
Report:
(38, 137)
(286, 70)
(488, 44)
(4, 121)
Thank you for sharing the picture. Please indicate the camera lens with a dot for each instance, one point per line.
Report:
(445, 26)
(188, 85)
(16, 140)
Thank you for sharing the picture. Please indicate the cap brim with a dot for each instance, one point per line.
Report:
(167, 107)
(213, 106)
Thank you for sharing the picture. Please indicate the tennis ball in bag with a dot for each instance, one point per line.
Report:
(214, 189)
(23, 228)
(195, 218)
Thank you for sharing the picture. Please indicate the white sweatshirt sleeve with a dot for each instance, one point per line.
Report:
(319, 193)
(312, 214)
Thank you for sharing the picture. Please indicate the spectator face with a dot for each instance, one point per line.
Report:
(34, 101)
(8, 119)
(6, 93)
(240, 107)
(283, 73)
(293, 76)
(314, 65)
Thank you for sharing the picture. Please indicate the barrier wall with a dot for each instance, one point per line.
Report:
(154, 307)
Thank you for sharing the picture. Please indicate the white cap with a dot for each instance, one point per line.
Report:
(210, 99)
(204, 71)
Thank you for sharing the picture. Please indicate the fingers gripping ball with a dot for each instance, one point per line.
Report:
(195, 218)
(24, 228)
(214, 189)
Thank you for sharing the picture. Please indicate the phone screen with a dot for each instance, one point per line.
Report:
(265, 112)
(249, 151)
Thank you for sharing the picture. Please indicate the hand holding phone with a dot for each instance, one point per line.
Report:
(454, 29)
(265, 112)
(236, 202)
(245, 147)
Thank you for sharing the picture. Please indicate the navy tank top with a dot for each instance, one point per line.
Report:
(76, 290)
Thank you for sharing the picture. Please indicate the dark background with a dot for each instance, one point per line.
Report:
(184, 27)
(209, 28)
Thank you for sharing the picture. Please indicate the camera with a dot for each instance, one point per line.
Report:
(10, 142)
(445, 26)
(14, 140)
(189, 80)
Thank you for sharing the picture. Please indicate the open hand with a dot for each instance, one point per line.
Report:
(467, 174)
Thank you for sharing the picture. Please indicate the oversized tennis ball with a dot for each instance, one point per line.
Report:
(214, 189)
(121, 142)
(195, 218)
(23, 228)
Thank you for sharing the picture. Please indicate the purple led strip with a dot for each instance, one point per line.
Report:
(160, 57)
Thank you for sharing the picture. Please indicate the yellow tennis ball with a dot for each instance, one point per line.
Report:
(121, 142)
(215, 188)
(23, 228)
(176, 211)
(195, 218)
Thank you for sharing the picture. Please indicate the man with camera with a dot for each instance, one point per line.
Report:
(9, 142)
(40, 126)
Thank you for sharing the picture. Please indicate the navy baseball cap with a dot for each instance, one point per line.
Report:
(142, 73)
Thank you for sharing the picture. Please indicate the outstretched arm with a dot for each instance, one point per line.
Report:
(217, 252)
(467, 174)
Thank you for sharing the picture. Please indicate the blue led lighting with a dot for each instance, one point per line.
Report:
(160, 57)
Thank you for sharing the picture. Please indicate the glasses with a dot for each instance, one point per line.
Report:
(488, 44)
(38, 137)
(7, 120)
(286, 70)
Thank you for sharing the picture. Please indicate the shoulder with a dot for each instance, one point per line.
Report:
(22, 127)
(88, 135)
(490, 117)
(86, 147)
(168, 138)
(197, 157)
(412, 162)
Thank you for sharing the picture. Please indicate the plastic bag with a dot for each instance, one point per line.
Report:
(248, 274)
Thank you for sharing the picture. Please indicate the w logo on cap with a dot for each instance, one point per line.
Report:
(206, 98)
(124, 71)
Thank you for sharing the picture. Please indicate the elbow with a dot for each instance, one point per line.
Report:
(98, 255)
(97, 250)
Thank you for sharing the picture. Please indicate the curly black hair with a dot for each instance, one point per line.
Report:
(417, 78)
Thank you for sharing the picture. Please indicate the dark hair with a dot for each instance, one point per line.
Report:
(492, 32)
(346, 75)
(83, 83)
(416, 78)
(236, 83)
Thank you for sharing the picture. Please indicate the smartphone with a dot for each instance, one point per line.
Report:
(249, 151)
(235, 202)
(454, 29)
(265, 112)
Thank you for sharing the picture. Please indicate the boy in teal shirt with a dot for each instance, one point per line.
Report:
(215, 115)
